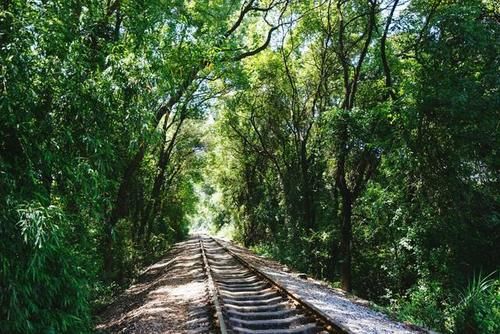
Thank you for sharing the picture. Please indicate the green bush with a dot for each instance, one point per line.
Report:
(478, 310)
(43, 286)
(424, 305)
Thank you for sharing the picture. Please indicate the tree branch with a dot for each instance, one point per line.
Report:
(385, 64)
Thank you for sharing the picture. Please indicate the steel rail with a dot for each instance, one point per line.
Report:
(214, 292)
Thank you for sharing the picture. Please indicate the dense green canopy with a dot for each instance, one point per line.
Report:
(364, 133)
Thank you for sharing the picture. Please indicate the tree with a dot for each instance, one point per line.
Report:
(210, 45)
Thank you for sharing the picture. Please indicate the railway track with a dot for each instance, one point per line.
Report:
(246, 301)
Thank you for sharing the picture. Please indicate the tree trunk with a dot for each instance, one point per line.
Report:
(154, 200)
(108, 253)
(149, 214)
(307, 190)
(345, 243)
(346, 208)
(119, 210)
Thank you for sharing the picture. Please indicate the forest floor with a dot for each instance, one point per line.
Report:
(169, 297)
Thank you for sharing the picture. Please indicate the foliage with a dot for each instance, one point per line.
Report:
(479, 307)
(100, 104)
(472, 310)
(363, 133)
(44, 283)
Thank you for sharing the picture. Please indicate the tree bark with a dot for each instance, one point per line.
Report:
(307, 189)
(165, 155)
(383, 54)
(119, 209)
(346, 243)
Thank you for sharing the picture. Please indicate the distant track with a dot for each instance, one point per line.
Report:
(247, 301)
